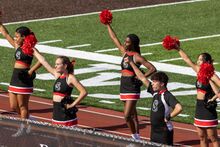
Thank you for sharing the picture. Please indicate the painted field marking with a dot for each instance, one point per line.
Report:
(183, 115)
(105, 58)
(144, 108)
(172, 59)
(160, 43)
(77, 46)
(116, 10)
(49, 41)
(145, 54)
(106, 102)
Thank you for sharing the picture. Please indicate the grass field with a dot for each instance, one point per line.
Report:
(151, 25)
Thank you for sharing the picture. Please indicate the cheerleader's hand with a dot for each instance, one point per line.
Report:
(68, 106)
(128, 59)
(167, 118)
(210, 100)
(32, 74)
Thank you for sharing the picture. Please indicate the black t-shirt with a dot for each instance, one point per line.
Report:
(161, 106)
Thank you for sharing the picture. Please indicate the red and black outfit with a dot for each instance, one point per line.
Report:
(130, 86)
(21, 82)
(60, 115)
(205, 117)
(163, 101)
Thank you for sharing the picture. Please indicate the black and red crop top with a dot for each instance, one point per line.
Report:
(203, 88)
(22, 58)
(126, 67)
(61, 87)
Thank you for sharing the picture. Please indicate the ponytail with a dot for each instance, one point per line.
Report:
(70, 64)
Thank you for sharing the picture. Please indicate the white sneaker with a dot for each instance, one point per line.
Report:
(136, 136)
(28, 130)
(20, 131)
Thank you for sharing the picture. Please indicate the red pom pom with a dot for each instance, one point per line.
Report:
(170, 43)
(106, 17)
(205, 73)
(28, 44)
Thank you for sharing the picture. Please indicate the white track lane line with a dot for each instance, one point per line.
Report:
(116, 10)
(99, 113)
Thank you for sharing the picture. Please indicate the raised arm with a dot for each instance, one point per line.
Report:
(82, 91)
(188, 61)
(141, 60)
(43, 61)
(139, 74)
(115, 39)
(5, 33)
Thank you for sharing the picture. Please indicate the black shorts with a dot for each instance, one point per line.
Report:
(21, 83)
(205, 117)
(130, 88)
(161, 135)
(61, 117)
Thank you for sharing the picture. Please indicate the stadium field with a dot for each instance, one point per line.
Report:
(84, 38)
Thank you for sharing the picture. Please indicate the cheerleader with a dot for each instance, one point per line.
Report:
(129, 84)
(205, 119)
(21, 85)
(64, 108)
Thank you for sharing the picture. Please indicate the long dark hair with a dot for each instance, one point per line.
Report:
(29, 40)
(134, 43)
(70, 64)
(23, 31)
(207, 58)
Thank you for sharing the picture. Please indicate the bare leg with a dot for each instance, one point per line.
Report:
(128, 112)
(135, 119)
(202, 136)
(213, 136)
(23, 100)
(13, 102)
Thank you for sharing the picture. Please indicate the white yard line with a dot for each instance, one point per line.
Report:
(160, 43)
(117, 10)
(49, 41)
(105, 58)
(145, 54)
(172, 59)
(75, 46)
(106, 102)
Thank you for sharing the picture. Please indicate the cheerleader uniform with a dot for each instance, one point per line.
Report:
(21, 82)
(205, 117)
(60, 114)
(130, 86)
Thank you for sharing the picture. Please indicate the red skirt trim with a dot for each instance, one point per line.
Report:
(20, 90)
(72, 122)
(129, 96)
(205, 123)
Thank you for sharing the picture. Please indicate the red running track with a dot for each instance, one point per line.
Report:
(104, 120)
